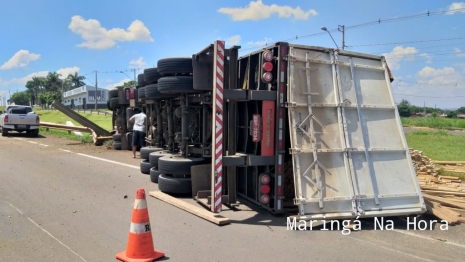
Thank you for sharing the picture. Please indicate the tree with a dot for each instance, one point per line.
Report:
(20, 98)
(130, 83)
(461, 110)
(404, 108)
(452, 114)
(48, 98)
(53, 82)
(76, 80)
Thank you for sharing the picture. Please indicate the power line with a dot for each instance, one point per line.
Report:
(376, 22)
(410, 42)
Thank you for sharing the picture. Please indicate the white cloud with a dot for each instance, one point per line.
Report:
(454, 6)
(20, 59)
(64, 72)
(429, 58)
(257, 11)
(120, 83)
(439, 87)
(459, 52)
(138, 63)
(97, 37)
(265, 41)
(233, 40)
(398, 54)
(22, 80)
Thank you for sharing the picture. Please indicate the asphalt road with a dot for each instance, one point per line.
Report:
(60, 205)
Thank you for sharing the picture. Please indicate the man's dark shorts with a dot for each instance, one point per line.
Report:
(138, 138)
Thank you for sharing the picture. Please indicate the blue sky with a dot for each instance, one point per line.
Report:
(425, 53)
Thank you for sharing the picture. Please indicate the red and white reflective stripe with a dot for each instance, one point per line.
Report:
(139, 228)
(140, 204)
(218, 171)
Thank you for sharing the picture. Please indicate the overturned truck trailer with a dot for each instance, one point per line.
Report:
(293, 126)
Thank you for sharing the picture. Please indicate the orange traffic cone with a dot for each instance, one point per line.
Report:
(140, 242)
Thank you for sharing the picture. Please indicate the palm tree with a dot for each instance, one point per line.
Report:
(53, 82)
(36, 85)
(76, 80)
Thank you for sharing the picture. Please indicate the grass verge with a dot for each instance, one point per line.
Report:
(57, 117)
(439, 145)
(85, 138)
(434, 122)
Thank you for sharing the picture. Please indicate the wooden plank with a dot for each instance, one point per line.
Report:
(449, 162)
(449, 177)
(444, 201)
(438, 192)
(198, 211)
(435, 209)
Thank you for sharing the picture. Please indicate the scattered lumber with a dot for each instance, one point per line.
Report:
(444, 196)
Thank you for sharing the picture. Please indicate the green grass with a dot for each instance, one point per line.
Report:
(55, 116)
(434, 122)
(438, 145)
(85, 138)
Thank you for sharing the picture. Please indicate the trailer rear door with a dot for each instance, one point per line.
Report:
(349, 153)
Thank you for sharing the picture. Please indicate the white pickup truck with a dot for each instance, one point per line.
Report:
(19, 118)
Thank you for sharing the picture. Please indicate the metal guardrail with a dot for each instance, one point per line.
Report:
(98, 140)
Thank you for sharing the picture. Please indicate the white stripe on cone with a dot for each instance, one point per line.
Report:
(140, 204)
(139, 228)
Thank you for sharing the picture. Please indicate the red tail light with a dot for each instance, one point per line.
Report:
(37, 120)
(5, 119)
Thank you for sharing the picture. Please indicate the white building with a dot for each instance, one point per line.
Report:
(84, 97)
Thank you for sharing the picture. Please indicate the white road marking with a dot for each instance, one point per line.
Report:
(429, 238)
(57, 239)
(18, 138)
(43, 229)
(43, 145)
(390, 249)
(67, 151)
(15, 208)
(106, 160)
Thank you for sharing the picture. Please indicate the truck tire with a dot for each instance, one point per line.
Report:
(151, 91)
(174, 185)
(141, 92)
(151, 75)
(114, 102)
(154, 173)
(129, 140)
(154, 156)
(116, 137)
(113, 93)
(117, 145)
(178, 165)
(145, 151)
(145, 167)
(175, 65)
(108, 105)
(176, 85)
(4, 132)
(141, 80)
(35, 133)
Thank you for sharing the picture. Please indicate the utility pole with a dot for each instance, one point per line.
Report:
(95, 97)
(341, 28)
(135, 80)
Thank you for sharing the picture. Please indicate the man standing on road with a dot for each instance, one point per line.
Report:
(138, 135)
